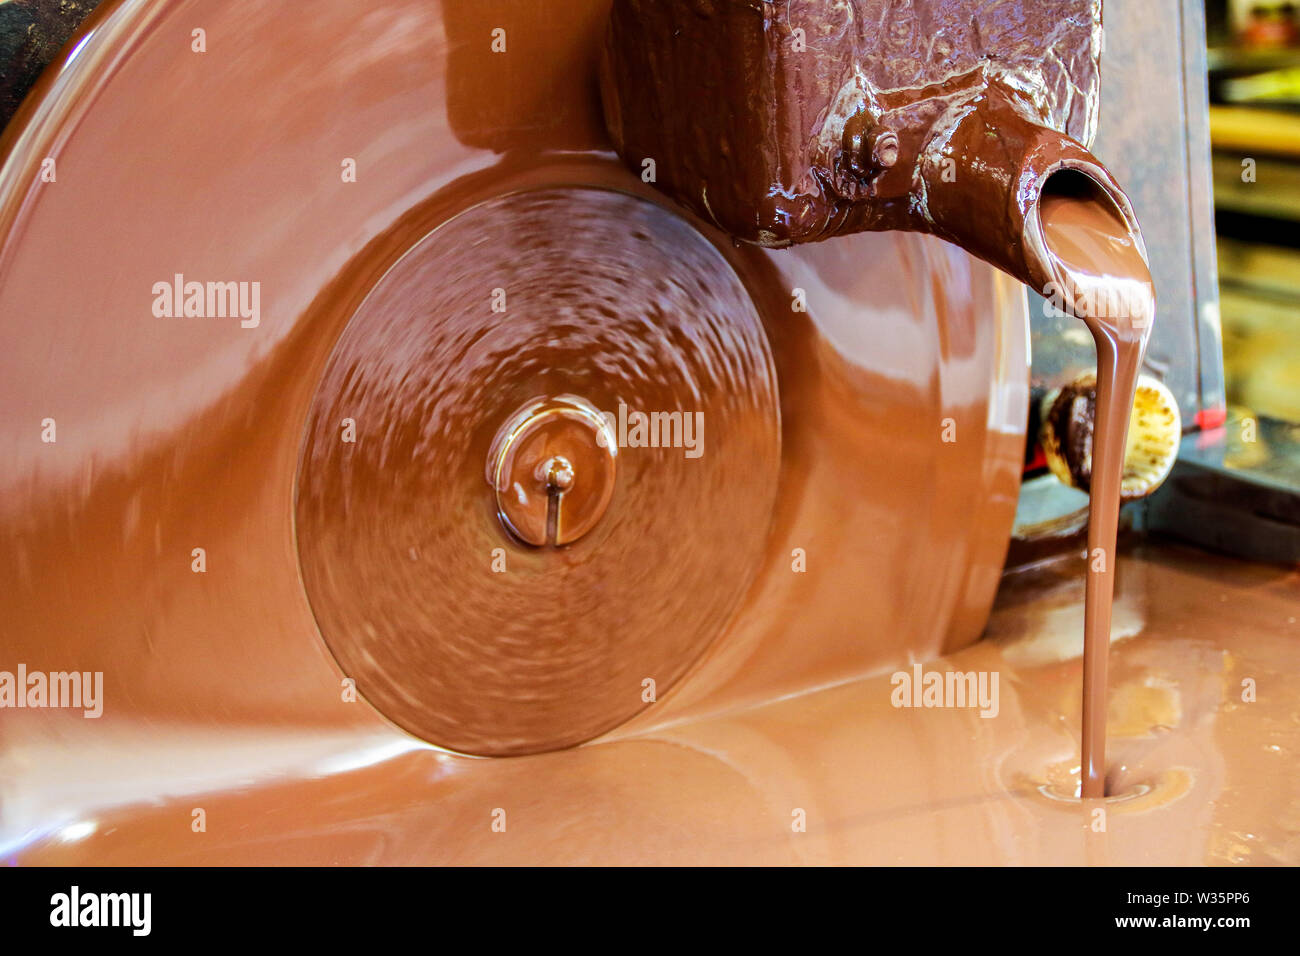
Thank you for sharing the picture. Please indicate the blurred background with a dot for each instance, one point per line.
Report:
(1236, 487)
(1253, 59)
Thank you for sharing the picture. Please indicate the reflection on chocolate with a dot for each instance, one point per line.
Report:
(1201, 777)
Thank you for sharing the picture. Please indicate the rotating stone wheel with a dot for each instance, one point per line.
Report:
(498, 567)
(393, 411)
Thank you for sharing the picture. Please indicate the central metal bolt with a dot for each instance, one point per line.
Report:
(559, 474)
(551, 466)
(884, 151)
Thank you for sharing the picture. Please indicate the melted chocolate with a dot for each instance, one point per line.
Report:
(794, 120)
(466, 636)
(1101, 269)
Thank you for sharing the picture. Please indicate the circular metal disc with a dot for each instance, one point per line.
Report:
(449, 624)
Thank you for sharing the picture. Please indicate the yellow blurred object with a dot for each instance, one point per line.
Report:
(1283, 85)
(1246, 129)
(1155, 429)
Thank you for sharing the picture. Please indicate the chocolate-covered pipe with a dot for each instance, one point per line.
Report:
(784, 123)
(981, 179)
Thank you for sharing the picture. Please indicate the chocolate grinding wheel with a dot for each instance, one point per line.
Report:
(380, 171)
(532, 314)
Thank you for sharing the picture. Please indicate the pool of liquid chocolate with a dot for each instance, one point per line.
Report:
(1104, 279)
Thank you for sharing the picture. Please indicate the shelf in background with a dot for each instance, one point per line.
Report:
(1252, 131)
(1227, 59)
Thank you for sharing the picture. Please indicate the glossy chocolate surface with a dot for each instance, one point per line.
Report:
(882, 545)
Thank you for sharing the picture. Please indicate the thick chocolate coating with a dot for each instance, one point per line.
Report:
(792, 121)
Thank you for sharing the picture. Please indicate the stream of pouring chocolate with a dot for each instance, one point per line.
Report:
(1104, 277)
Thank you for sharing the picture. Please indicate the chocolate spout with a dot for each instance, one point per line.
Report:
(784, 123)
(980, 181)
